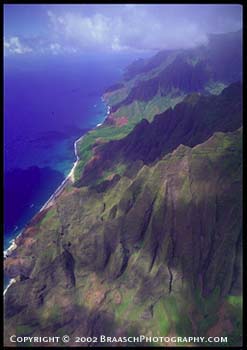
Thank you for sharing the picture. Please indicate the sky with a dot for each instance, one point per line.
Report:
(70, 29)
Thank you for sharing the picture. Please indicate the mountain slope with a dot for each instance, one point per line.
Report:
(148, 238)
(158, 253)
(221, 50)
(191, 122)
(191, 70)
(220, 60)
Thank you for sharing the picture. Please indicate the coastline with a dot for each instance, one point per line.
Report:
(50, 200)
(69, 178)
(12, 281)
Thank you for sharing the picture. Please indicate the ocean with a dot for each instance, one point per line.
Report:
(49, 102)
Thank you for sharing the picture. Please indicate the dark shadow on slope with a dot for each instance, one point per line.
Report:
(190, 123)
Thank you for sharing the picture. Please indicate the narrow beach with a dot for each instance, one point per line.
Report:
(68, 180)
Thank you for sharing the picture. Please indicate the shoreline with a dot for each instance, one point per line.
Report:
(12, 281)
(49, 202)
(55, 194)
(69, 177)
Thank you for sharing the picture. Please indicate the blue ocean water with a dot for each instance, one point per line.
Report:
(48, 103)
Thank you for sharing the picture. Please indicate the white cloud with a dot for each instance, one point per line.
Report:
(14, 45)
(133, 28)
(123, 27)
(55, 48)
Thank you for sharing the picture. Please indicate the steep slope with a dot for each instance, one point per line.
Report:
(153, 86)
(191, 122)
(221, 50)
(148, 239)
(200, 69)
(157, 254)
(179, 75)
(145, 66)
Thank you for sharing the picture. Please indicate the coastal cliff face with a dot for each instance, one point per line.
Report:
(148, 239)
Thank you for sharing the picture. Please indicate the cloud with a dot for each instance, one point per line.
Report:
(55, 48)
(14, 45)
(134, 29)
(86, 32)
(73, 29)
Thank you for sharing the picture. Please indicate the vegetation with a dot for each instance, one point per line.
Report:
(150, 242)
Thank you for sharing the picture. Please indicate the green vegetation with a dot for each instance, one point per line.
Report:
(235, 300)
(126, 303)
(128, 256)
(102, 134)
(83, 210)
(50, 221)
(24, 330)
(51, 315)
(49, 215)
(138, 110)
(235, 303)
(207, 307)
(134, 112)
(117, 96)
(161, 319)
(117, 169)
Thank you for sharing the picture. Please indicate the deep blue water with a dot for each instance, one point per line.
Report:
(48, 103)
